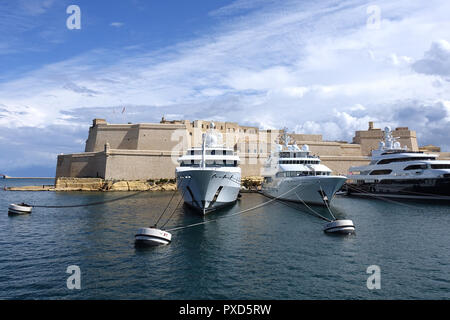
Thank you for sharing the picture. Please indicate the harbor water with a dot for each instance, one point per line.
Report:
(273, 252)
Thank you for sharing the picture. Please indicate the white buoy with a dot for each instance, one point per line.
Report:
(152, 237)
(339, 226)
(19, 208)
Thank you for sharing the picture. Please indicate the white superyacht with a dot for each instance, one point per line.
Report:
(209, 176)
(395, 172)
(293, 174)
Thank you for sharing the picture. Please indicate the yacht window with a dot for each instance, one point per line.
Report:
(416, 167)
(440, 166)
(386, 161)
(378, 172)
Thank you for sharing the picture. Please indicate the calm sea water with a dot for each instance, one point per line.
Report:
(275, 252)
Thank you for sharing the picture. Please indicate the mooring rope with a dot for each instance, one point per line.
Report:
(91, 203)
(165, 209)
(178, 204)
(431, 195)
(232, 214)
(312, 210)
(174, 210)
(373, 195)
(323, 194)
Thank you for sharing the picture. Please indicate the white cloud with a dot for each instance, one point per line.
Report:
(35, 7)
(436, 60)
(117, 24)
(311, 66)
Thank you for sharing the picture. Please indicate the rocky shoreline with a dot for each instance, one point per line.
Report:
(98, 184)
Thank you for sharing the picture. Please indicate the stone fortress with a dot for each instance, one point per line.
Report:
(146, 151)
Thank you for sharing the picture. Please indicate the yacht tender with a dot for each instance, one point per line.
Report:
(209, 176)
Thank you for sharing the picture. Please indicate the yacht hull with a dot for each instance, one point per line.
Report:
(304, 189)
(423, 189)
(208, 189)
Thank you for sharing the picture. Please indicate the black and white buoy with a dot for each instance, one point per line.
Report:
(22, 208)
(152, 237)
(339, 226)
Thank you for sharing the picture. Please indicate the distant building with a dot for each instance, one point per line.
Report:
(369, 139)
(430, 148)
(149, 150)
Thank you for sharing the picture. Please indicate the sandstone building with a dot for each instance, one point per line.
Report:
(369, 140)
(149, 150)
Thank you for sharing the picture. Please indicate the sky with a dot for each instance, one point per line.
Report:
(324, 66)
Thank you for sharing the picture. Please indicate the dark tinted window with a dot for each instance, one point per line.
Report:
(416, 167)
(377, 172)
(385, 161)
(440, 166)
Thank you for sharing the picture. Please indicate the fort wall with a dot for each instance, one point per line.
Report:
(150, 150)
(81, 165)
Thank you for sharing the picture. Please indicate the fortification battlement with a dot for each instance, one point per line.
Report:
(146, 150)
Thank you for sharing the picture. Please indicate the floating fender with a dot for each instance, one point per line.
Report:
(152, 237)
(22, 208)
(339, 226)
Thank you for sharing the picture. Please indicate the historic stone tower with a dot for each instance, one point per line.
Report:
(369, 139)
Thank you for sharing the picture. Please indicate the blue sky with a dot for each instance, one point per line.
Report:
(313, 66)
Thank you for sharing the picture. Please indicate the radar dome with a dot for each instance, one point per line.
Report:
(305, 147)
(387, 129)
(211, 140)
